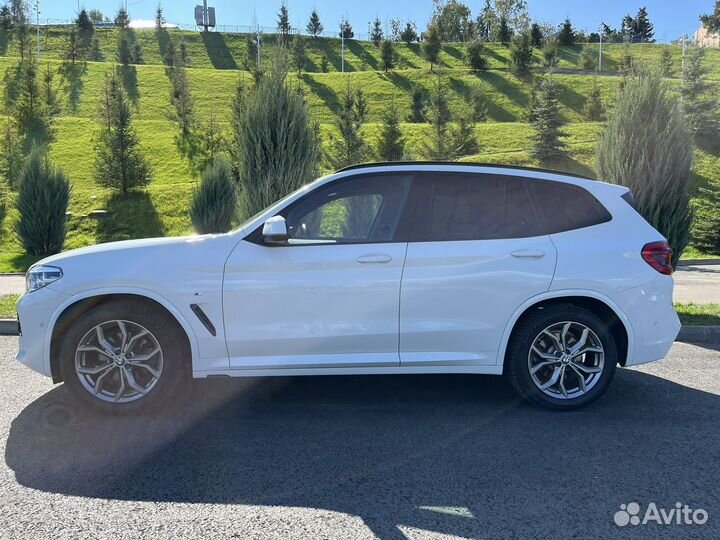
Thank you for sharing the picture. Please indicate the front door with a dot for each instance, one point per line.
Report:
(477, 251)
(330, 297)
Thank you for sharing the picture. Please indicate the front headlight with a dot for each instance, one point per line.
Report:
(39, 276)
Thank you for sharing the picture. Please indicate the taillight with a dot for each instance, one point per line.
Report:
(659, 256)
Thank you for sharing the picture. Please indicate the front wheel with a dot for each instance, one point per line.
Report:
(562, 357)
(123, 357)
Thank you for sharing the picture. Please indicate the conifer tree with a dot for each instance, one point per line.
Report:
(547, 122)
(387, 55)
(120, 164)
(376, 32)
(391, 143)
(698, 101)
(314, 26)
(432, 46)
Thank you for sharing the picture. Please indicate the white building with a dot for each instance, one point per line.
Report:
(703, 38)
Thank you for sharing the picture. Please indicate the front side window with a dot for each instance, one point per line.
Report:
(359, 210)
(464, 206)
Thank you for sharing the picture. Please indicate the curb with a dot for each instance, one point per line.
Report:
(688, 334)
(8, 327)
(699, 262)
(699, 334)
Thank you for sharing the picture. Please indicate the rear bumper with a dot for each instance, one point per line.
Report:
(653, 319)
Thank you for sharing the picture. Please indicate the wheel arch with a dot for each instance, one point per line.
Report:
(73, 308)
(598, 304)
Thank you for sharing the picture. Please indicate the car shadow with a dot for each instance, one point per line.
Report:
(458, 455)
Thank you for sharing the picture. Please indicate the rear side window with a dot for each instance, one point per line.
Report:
(566, 207)
(463, 206)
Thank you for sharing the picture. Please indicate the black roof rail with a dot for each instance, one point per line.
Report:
(461, 164)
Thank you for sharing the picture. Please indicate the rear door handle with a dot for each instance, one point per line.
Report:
(528, 254)
(374, 258)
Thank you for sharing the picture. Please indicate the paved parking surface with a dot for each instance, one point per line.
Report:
(11, 284)
(697, 284)
(363, 457)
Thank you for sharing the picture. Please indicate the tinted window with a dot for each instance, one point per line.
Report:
(566, 207)
(474, 207)
(358, 210)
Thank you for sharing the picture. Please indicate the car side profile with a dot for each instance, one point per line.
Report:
(411, 268)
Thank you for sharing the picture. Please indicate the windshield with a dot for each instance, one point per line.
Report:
(273, 208)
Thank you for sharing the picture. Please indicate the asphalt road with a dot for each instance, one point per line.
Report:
(363, 457)
(699, 284)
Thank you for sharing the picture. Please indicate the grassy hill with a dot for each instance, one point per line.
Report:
(216, 65)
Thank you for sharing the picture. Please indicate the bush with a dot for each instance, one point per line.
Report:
(276, 145)
(587, 59)
(478, 102)
(706, 225)
(475, 56)
(647, 147)
(594, 109)
(550, 53)
(521, 54)
(418, 106)
(214, 201)
(42, 203)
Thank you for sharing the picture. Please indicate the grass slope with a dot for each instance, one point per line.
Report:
(162, 209)
(229, 51)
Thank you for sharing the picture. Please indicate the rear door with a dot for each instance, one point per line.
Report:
(477, 251)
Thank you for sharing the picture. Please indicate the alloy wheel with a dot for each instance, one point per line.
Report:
(566, 360)
(119, 361)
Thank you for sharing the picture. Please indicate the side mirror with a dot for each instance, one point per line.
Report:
(275, 231)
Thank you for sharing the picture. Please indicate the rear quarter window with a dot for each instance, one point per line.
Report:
(567, 207)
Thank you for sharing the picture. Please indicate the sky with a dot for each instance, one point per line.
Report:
(672, 18)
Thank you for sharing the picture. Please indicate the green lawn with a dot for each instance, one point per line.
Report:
(699, 314)
(7, 306)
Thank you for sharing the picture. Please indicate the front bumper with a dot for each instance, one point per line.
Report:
(35, 312)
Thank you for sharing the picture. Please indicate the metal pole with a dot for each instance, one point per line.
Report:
(37, 24)
(601, 36)
(258, 49)
(206, 18)
(342, 40)
(684, 48)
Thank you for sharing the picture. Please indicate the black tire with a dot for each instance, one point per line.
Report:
(175, 373)
(524, 336)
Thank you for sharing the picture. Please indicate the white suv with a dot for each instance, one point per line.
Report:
(377, 269)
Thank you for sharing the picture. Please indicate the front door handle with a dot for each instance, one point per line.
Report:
(374, 258)
(528, 254)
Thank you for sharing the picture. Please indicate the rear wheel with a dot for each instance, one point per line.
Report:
(123, 357)
(562, 357)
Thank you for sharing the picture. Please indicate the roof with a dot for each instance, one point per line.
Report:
(461, 164)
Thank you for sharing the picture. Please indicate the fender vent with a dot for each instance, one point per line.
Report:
(200, 314)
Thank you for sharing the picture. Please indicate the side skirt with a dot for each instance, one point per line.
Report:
(414, 370)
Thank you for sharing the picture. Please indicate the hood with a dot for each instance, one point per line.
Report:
(125, 245)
